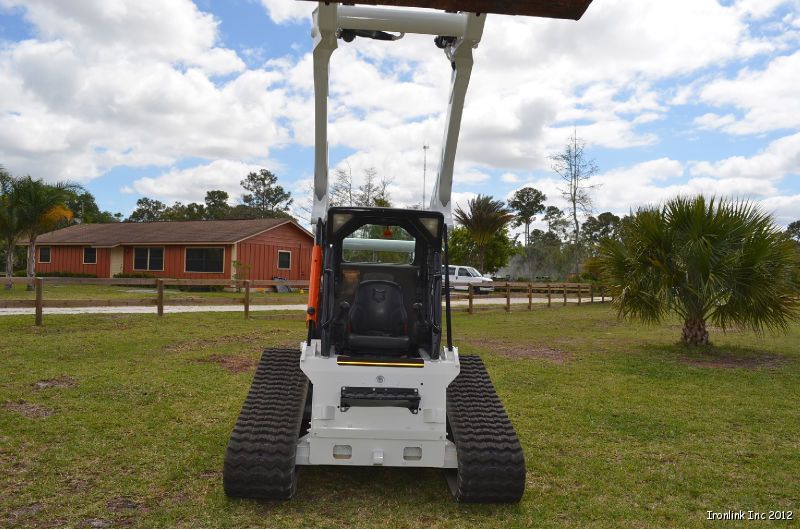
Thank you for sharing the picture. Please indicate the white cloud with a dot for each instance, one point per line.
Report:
(779, 158)
(767, 97)
(626, 188)
(106, 83)
(190, 185)
(758, 9)
(785, 209)
(282, 11)
(109, 83)
(510, 178)
(714, 121)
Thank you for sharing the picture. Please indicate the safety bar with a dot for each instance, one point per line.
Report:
(402, 21)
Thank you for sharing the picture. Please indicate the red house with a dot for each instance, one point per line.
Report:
(262, 249)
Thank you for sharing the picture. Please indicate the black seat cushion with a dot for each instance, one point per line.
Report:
(378, 317)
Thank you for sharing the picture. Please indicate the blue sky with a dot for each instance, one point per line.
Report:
(170, 98)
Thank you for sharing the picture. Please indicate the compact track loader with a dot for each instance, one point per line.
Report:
(373, 384)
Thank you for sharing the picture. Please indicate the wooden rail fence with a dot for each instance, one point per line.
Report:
(159, 301)
(580, 292)
(552, 292)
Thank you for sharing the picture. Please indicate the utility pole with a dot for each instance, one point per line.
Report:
(424, 171)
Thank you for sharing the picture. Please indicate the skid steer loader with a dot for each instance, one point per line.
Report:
(373, 384)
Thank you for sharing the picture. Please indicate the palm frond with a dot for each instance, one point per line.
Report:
(707, 259)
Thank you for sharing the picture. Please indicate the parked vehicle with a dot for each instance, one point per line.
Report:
(463, 276)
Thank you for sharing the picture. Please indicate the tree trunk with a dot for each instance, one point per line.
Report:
(577, 241)
(9, 264)
(527, 232)
(694, 332)
(31, 260)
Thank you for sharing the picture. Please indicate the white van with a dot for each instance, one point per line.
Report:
(463, 276)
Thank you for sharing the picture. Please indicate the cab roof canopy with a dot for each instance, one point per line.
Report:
(568, 9)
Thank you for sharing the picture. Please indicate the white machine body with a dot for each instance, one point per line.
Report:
(379, 436)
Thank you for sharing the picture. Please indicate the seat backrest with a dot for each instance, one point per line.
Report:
(378, 309)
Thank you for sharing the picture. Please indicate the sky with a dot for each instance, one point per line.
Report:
(170, 98)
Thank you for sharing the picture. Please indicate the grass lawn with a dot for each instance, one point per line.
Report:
(121, 420)
(104, 292)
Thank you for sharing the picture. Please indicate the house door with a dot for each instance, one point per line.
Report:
(117, 260)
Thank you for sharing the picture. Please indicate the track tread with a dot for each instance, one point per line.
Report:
(491, 464)
(260, 459)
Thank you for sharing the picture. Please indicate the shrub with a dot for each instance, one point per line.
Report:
(704, 260)
(23, 273)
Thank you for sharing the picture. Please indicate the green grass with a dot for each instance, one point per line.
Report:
(621, 427)
(104, 292)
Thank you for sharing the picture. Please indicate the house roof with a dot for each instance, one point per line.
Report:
(188, 232)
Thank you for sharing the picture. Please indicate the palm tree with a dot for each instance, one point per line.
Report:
(706, 261)
(41, 207)
(484, 219)
(10, 225)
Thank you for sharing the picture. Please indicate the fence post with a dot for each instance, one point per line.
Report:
(580, 289)
(469, 293)
(160, 296)
(530, 296)
(508, 297)
(591, 292)
(564, 285)
(247, 298)
(549, 295)
(39, 283)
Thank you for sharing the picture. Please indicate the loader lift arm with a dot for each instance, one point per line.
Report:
(456, 33)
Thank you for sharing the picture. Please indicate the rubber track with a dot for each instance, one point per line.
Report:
(260, 460)
(491, 464)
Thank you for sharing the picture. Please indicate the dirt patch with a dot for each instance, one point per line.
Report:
(28, 409)
(24, 512)
(232, 363)
(253, 341)
(181, 497)
(77, 484)
(122, 504)
(712, 329)
(717, 359)
(95, 523)
(522, 351)
(63, 381)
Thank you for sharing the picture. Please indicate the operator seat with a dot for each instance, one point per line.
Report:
(378, 320)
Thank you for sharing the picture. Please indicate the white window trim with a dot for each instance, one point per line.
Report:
(148, 248)
(84, 255)
(224, 258)
(278, 263)
(40, 255)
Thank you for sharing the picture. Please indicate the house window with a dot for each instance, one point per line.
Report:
(89, 255)
(284, 260)
(44, 254)
(205, 260)
(151, 259)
